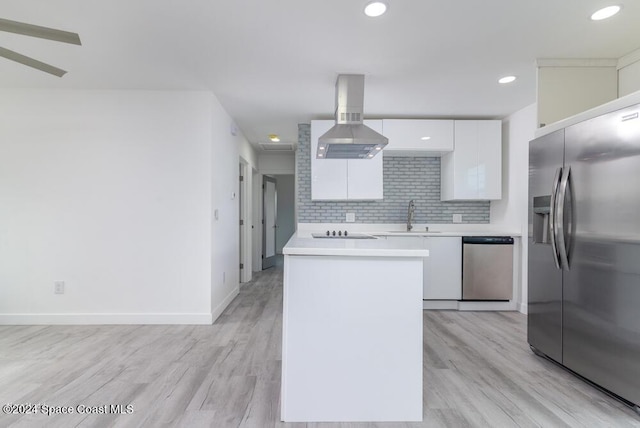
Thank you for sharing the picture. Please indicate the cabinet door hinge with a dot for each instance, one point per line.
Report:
(241, 222)
(241, 266)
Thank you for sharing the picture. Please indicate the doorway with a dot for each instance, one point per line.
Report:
(269, 221)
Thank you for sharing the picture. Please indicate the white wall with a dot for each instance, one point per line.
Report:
(114, 192)
(564, 91)
(225, 236)
(511, 211)
(285, 186)
(629, 73)
(271, 164)
(111, 192)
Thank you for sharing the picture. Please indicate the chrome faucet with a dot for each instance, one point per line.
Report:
(412, 208)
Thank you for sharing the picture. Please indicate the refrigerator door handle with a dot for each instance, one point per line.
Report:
(559, 220)
(552, 218)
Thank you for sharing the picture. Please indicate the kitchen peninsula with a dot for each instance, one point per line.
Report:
(352, 330)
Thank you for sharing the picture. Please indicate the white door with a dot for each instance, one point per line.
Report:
(269, 218)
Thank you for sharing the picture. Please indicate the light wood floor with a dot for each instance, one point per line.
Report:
(478, 372)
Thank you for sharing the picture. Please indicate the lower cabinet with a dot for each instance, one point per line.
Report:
(443, 268)
(442, 277)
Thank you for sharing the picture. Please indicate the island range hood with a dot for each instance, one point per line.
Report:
(350, 138)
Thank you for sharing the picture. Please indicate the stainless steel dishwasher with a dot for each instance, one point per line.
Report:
(487, 268)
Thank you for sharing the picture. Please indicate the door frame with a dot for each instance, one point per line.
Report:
(242, 215)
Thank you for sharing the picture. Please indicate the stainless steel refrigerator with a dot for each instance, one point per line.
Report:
(584, 250)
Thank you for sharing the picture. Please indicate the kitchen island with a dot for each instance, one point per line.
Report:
(352, 330)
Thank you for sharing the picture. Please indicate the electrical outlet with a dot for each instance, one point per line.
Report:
(58, 287)
(457, 218)
(351, 217)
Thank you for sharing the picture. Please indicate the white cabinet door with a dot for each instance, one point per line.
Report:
(473, 171)
(328, 176)
(418, 137)
(465, 158)
(364, 176)
(490, 159)
(344, 179)
(443, 268)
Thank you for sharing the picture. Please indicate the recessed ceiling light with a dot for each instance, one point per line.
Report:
(375, 8)
(604, 13)
(274, 138)
(425, 138)
(320, 155)
(321, 148)
(507, 79)
(378, 148)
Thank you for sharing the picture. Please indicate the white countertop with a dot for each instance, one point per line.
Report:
(304, 245)
(396, 229)
(447, 233)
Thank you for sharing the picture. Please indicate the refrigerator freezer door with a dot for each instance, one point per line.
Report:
(601, 327)
(545, 278)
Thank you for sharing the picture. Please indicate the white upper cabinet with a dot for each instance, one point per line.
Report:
(417, 137)
(473, 171)
(364, 176)
(328, 176)
(344, 179)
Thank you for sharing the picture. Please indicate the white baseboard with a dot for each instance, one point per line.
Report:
(487, 306)
(522, 308)
(95, 319)
(223, 305)
(440, 304)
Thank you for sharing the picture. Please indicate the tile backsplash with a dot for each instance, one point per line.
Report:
(405, 178)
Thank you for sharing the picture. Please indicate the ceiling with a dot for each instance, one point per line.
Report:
(273, 64)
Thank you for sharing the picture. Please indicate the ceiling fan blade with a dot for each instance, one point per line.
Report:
(15, 56)
(41, 32)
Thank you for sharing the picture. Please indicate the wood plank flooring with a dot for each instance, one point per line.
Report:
(478, 372)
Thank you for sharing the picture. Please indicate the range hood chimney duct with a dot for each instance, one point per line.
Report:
(349, 138)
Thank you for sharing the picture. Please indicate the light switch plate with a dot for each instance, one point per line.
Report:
(351, 217)
(457, 218)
